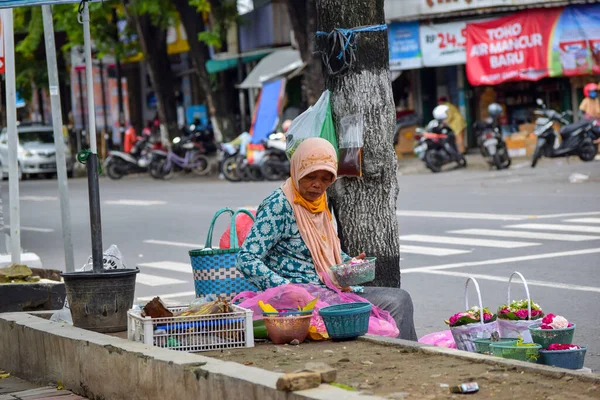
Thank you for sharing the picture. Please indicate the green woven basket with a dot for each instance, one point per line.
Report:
(514, 352)
(482, 346)
(546, 337)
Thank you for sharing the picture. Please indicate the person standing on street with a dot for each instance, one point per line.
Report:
(456, 122)
(590, 106)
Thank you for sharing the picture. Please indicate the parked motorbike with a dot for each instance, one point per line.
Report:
(236, 167)
(119, 163)
(577, 139)
(185, 155)
(490, 141)
(275, 164)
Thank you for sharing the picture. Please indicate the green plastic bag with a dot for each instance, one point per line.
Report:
(317, 121)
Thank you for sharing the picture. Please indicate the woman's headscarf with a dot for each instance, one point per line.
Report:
(313, 217)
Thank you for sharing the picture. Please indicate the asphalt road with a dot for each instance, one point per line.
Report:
(455, 224)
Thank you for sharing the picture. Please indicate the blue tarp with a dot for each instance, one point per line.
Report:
(267, 110)
(25, 3)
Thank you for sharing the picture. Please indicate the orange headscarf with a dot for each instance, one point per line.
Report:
(312, 217)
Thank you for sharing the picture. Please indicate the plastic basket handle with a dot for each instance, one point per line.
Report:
(526, 291)
(233, 239)
(209, 236)
(478, 297)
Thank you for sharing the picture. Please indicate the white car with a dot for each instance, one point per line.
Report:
(36, 151)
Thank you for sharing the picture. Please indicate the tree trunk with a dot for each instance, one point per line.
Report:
(366, 206)
(153, 41)
(303, 15)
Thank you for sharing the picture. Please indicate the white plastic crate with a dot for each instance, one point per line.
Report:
(193, 333)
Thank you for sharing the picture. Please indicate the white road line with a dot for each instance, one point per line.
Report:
(154, 280)
(584, 220)
(168, 296)
(176, 244)
(38, 198)
(525, 235)
(567, 215)
(529, 282)
(462, 215)
(430, 251)
(127, 202)
(502, 260)
(557, 227)
(35, 229)
(168, 266)
(503, 244)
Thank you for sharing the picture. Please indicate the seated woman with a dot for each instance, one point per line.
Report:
(294, 240)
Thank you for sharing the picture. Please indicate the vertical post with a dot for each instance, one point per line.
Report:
(104, 105)
(13, 139)
(59, 142)
(119, 83)
(240, 77)
(92, 162)
(81, 106)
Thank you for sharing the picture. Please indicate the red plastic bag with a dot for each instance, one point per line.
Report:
(243, 223)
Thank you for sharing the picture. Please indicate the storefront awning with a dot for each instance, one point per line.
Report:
(278, 63)
(219, 64)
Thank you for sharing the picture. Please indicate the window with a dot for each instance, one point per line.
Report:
(36, 137)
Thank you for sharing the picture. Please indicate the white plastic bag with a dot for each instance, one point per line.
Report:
(111, 259)
(63, 315)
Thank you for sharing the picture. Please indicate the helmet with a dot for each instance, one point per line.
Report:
(440, 112)
(495, 110)
(590, 87)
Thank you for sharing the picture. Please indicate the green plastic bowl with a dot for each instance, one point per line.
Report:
(482, 346)
(569, 359)
(546, 337)
(514, 352)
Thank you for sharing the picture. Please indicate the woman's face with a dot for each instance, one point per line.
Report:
(314, 185)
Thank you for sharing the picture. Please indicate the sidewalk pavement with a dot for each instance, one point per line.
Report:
(13, 388)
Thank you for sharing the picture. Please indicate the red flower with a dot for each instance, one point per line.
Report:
(557, 346)
(547, 319)
(545, 326)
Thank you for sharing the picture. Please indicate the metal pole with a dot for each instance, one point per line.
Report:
(92, 162)
(101, 65)
(13, 139)
(81, 106)
(59, 142)
(119, 83)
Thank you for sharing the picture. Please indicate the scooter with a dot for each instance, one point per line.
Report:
(183, 155)
(577, 139)
(275, 164)
(118, 163)
(491, 144)
(434, 148)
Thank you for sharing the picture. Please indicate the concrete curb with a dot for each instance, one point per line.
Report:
(552, 372)
(99, 366)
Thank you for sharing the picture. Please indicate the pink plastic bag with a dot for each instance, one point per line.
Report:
(440, 339)
(243, 224)
(293, 295)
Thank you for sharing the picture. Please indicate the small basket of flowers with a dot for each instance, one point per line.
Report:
(475, 323)
(570, 356)
(355, 271)
(553, 329)
(515, 317)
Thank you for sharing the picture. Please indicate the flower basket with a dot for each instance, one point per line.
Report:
(546, 337)
(515, 326)
(515, 351)
(482, 346)
(569, 359)
(464, 335)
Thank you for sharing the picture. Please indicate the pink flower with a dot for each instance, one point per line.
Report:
(505, 310)
(559, 322)
(570, 324)
(522, 314)
(548, 319)
(535, 313)
(545, 326)
(458, 316)
(487, 316)
(557, 346)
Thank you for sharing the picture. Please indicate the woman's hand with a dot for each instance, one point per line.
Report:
(361, 256)
(346, 289)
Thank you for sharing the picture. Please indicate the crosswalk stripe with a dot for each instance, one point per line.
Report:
(462, 215)
(557, 227)
(168, 266)
(430, 251)
(584, 220)
(175, 244)
(168, 296)
(504, 244)
(154, 280)
(525, 235)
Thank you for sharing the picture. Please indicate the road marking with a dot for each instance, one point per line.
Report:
(169, 266)
(38, 198)
(567, 215)
(462, 215)
(143, 203)
(584, 220)
(502, 260)
(153, 280)
(168, 296)
(503, 244)
(557, 227)
(430, 251)
(525, 235)
(553, 285)
(35, 229)
(176, 244)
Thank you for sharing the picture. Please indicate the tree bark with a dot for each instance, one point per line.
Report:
(366, 206)
(153, 41)
(223, 121)
(303, 15)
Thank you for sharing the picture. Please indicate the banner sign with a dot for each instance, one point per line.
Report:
(25, 3)
(444, 44)
(403, 39)
(534, 44)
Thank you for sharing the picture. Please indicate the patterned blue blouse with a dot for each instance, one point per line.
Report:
(274, 253)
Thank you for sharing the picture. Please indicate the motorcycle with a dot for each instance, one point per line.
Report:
(577, 139)
(491, 144)
(236, 167)
(275, 164)
(434, 148)
(118, 163)
(185, 154)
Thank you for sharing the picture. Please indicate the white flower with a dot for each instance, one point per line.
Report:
(559, 322)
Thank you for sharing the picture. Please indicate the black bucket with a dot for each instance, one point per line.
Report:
(99, 301)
